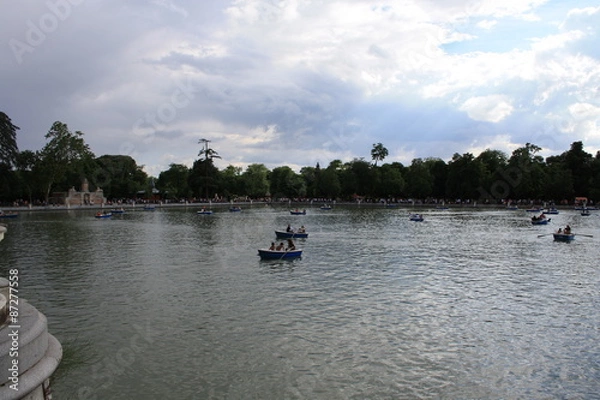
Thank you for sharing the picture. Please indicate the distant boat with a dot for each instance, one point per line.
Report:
(586, 212)
(235, 209)
(541, 220)
(291, 235)
(104, 214)
(149, 207)
(416, 217)
(534, 210)
(553, 211)
(9, 214)
(298, 212)
(204, 212)
(279, 254)
(326, 207)
(117, 211)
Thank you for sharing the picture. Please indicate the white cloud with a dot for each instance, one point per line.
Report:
(487, 24)
(492, 108)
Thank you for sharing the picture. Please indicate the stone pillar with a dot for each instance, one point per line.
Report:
(29, 355)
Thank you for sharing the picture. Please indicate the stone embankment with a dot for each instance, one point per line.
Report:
(29, 355)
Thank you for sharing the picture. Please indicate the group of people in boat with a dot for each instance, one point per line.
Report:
(540, 218)
(289, 229)
(281, 247)
(566, 231)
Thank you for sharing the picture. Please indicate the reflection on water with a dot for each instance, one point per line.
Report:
(170, 304)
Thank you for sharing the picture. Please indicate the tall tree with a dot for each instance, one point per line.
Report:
(63, 151)
(580, 164)
(231, 181)
(119, 176)
(378, 153)
(26, 162)
(207, 155)
(284, 182)
(419, 181)
(8, 140)
(526, 174)
(173, 183)
(255, 178)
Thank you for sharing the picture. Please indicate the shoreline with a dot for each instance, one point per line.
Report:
(290, 204)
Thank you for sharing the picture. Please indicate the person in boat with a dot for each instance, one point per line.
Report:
(272, 246)
(291, 245)
(568, 230)
(289, 229)
(279, 247)
(302, 229)
(559, 230)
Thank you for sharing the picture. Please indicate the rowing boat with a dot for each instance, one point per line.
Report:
(298, 212)
(266, 254)
(564, 237)
(291, 235)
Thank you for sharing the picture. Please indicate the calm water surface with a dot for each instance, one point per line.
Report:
(173, 305)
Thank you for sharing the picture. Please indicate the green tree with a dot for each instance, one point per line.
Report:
(284, 182)
(439, 173)
(255, 178)
(493, 185)
(580, 164)
(525, 172)
(204, 178)
(419, 181)
(8, 141)
(390, 183)
(311, 177)
(64, 152)
(231, 181)
(329, 183)
(119, 176)
(465, 174)
(204, 169)
(28, 181)
(378, 153)
(173, 183)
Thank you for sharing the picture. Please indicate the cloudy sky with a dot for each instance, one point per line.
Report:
(296, 82)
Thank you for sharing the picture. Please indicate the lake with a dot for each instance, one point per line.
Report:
(168, 304)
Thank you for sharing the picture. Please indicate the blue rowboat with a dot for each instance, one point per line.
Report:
(204, 212)
(534, 210)
(416, 217)
(117, 211)
(564, 237)
(103, 215)
(553, 211)
(278, 255)
(542, 221)
(149, 208)
(298, 212)
(291, 235)
(326, 207)
(235, 209)
(8, 215)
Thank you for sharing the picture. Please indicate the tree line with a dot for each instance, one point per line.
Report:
(31, 177)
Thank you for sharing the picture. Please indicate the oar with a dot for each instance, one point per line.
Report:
(581, 234)
(545, 234)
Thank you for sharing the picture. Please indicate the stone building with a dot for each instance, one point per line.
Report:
(84, 197)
